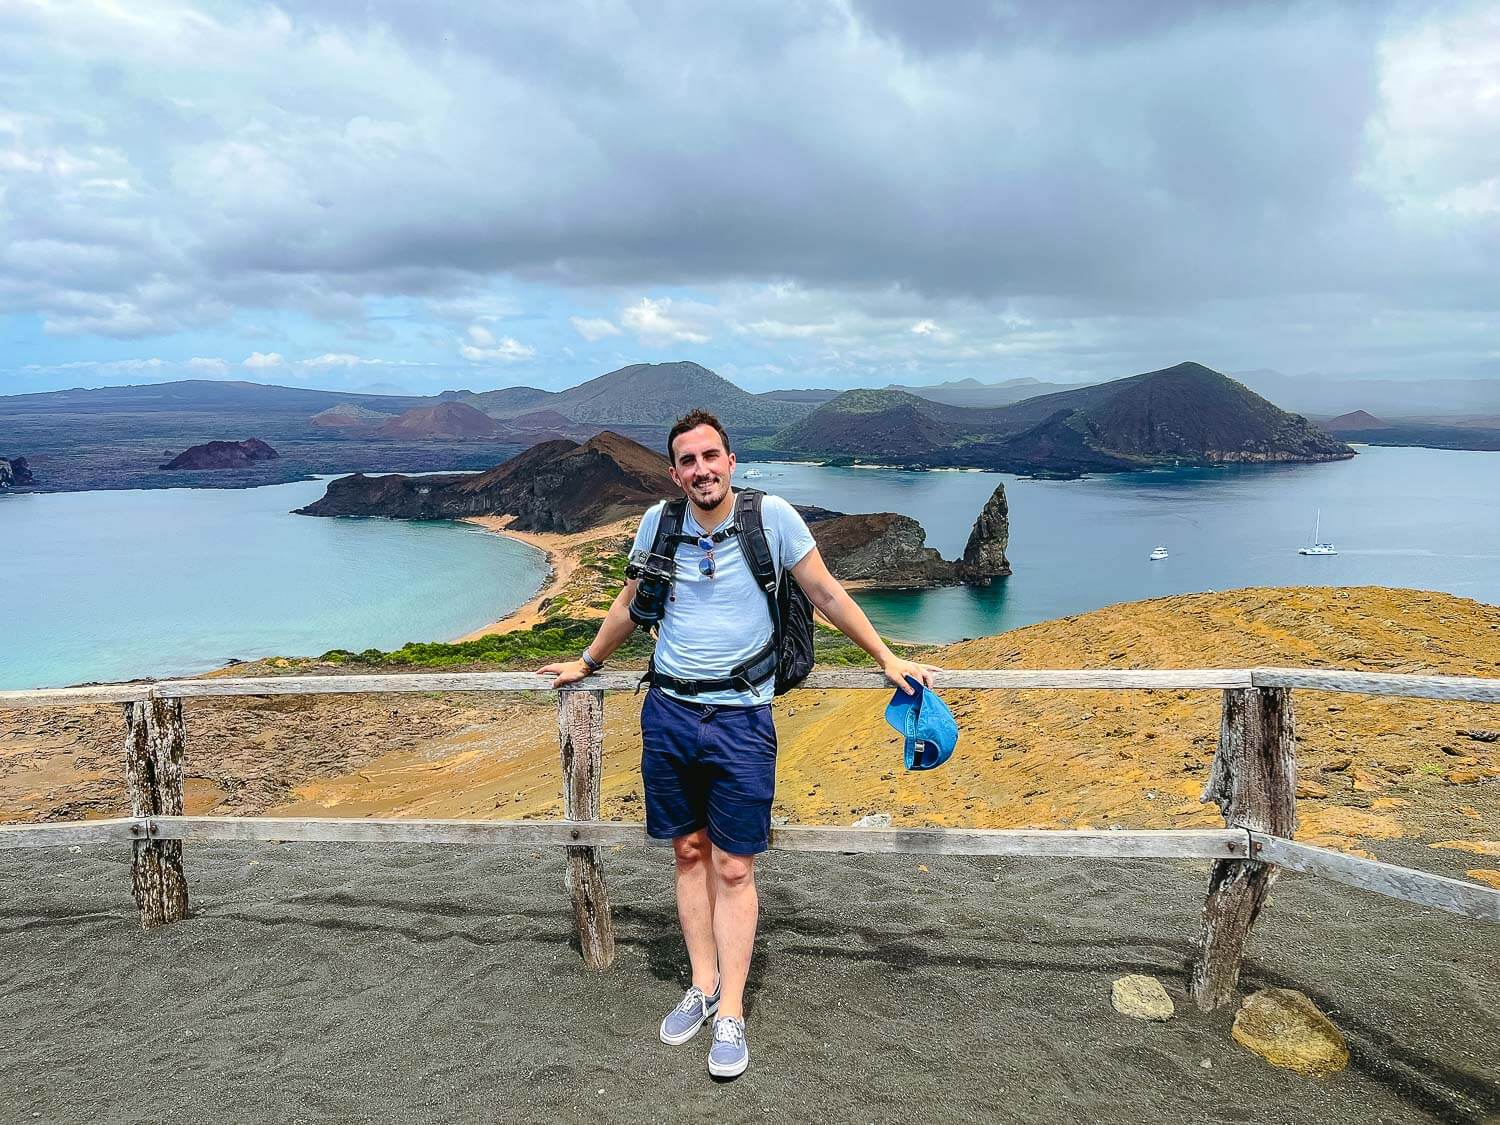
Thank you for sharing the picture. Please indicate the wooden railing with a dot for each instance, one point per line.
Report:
(1253, 781)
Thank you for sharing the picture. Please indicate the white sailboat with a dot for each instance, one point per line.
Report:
(1318, 546)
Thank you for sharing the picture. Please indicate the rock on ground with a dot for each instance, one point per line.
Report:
(1286, 1029)
(1141, 998)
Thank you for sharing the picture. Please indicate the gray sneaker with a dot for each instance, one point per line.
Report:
(683, 1021)
(730, 1054)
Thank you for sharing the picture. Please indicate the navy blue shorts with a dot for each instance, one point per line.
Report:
(708, 765)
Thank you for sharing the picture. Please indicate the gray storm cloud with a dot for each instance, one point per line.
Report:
(162, 168)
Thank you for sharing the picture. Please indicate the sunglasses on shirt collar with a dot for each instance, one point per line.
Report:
(706, 565)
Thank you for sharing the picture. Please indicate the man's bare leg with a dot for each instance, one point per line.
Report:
(695, 906)
(735, 907)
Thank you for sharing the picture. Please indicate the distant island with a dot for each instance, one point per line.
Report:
(1480, 433)
(564, 487)
(223, 455)
(1183, 414)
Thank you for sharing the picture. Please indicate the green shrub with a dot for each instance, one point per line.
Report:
(563, 638)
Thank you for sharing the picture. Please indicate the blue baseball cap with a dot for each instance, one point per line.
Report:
(925, 721)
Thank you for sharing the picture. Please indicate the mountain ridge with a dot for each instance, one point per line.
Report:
(1185, 412)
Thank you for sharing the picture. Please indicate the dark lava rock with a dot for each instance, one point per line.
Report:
(554, 486)
(883, 549)
(15, 471)
(223, 455)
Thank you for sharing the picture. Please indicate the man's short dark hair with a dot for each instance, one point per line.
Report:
(691, 421)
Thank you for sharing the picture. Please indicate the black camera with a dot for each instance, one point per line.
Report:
(654, 573)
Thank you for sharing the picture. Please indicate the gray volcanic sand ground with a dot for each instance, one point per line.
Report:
(328, 982)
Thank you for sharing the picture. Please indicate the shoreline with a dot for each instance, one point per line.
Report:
(562, 551)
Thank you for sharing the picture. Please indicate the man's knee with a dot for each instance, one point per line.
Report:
(733, 870)
(691, 850)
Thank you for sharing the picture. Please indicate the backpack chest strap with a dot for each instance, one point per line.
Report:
(717, 537)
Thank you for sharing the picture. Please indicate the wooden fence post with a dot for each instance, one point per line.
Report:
(1254, 782)
(153, 774)
(580, 727)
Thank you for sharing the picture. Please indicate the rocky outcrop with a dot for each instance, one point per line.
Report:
(984, 554)
(223, 455)
(14, 471)
(554, 486)
(881, 549)
(886, 550)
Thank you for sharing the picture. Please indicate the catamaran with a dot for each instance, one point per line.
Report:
(1318, 546)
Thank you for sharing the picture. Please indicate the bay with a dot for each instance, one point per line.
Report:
(1405, 517)
(112, 585)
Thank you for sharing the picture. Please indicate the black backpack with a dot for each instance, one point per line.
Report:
(791, 610)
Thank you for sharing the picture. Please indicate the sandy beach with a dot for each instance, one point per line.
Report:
(562, 553)
(327, 983)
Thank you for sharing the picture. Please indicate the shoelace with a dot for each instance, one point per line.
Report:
(693, 998)
(728, 1030)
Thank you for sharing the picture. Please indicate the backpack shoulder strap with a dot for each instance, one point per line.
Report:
(669, 527)
(757, 549)
(752, 530)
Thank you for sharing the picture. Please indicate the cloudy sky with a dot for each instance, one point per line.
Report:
(348, 193)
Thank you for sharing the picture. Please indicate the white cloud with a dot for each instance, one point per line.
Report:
(654, 323)
(158, 178)
(593, 328)
(482, 346)
(782, 330)
(259, 361)
(335, 359)
(208, 365)
(102, 366)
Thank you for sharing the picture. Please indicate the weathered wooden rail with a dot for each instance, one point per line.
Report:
(1253, 781)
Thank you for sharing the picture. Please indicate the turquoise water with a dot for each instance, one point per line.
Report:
(117, 584)
(1417, 518)
(111, 585)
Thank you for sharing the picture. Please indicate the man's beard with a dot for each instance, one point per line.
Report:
(712, 501)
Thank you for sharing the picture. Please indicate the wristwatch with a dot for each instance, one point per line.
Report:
(592, 664)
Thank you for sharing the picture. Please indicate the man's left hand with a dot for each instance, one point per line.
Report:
(896, 670)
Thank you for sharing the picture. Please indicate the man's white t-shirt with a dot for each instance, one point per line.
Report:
(713, 624)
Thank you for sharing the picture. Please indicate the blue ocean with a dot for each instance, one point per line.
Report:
(110, 585)
(115, 584)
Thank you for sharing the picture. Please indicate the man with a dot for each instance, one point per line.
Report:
(709, 758)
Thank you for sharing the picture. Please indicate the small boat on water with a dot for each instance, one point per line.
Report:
(1318, 546)
(1157, 554)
